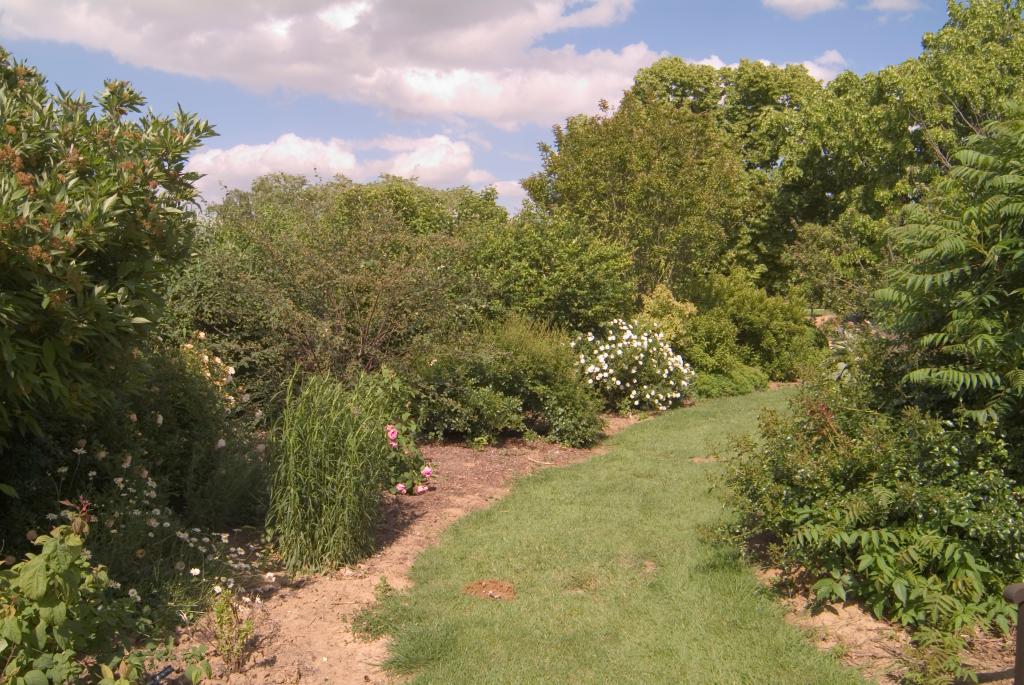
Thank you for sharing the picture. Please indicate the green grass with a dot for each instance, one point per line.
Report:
(573, 542)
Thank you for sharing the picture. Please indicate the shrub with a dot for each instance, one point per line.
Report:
(738, 380)
(59, 613)
(542, 266)
(512, 377)
(633, 368)
(919, 518)
(772, 333)
(708, 340)
(337, 278)
(94, 207)
(333, 459)
(174, 426)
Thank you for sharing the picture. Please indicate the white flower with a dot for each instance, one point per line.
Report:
(134, 594)
(217, 589)
(79, 451)
(159, 419)
(194, 571)
(62, 470)
(222, 443)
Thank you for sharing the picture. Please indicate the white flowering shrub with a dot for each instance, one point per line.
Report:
(633, 368)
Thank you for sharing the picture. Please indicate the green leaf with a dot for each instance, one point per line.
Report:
(34, 677)
(6, 489)
(10, 629)
(32, 578)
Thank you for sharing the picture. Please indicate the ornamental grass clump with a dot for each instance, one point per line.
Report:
(337, 448)
(633, 368)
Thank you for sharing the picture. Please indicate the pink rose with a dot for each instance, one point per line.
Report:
(401, 488)
(420, 489)
(427, 471)
(391, 432)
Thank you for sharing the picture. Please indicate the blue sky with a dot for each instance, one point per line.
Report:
(451, 91)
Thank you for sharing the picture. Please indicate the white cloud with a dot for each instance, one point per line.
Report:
(798, 9)
(826, 66)
(435, 160)
(510, 194)
(456, 58)
(894, 5)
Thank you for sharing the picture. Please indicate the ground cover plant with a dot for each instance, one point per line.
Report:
(601, 594)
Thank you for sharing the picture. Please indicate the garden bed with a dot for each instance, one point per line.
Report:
(303, 627)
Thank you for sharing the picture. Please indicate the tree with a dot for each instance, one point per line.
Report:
(661, 180)
(958, 297)
(94, 207)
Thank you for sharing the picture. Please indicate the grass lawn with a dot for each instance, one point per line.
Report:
(617, 580)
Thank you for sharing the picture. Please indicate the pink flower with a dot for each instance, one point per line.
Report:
(391, 432)
(420, 489)
(394, 445)
(401, 488)
(427, 471)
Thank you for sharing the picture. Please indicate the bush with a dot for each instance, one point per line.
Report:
(173, 424)
(919, 518)
(336, 278)
(94, 207)
(633, 368)
(333, 459)
(543, 267)
(62, 619)
(707, 339)
(512, 377)
(738, 380)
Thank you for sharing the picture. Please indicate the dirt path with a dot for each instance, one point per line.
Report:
(303, 631)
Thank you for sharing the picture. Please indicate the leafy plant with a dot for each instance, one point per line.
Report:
(59, 614)
(95, 205)
(512, 377)
(957, 295)
(919, 518)
(231, 631)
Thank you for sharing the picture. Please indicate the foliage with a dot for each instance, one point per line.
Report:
(335, 277)
(918, 518)
(94, 208)
(657, 179)
(633, 368)
(174, 427)
(333, 459)
(957, 294)
(839, 266)
(549, 269)
(736, 337)
(59, 614)
(512, 377)
(232, 633)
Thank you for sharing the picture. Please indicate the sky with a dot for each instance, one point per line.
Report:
(451, 92)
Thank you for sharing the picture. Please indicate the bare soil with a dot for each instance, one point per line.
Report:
(875, 647)
(303, 630)
(491, 589)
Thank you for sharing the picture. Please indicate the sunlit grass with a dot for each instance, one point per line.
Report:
(617, 580)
